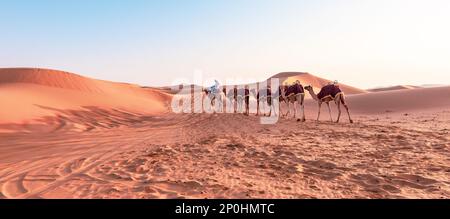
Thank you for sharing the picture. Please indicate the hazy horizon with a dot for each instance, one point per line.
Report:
(366, 44)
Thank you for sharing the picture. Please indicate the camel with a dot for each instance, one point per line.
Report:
(243, 99)
(265, 96)
(294, 94)
(239, 97)
(232, 96)
(217, 96)
(329, 93)
(282, 99)
(287, 94)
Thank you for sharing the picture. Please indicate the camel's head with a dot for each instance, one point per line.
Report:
(309, 88)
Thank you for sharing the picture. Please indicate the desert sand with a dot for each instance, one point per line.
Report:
(68, 136)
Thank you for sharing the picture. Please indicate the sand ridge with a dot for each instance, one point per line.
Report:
(32, 94)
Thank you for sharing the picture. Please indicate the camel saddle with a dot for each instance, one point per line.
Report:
(330, 90)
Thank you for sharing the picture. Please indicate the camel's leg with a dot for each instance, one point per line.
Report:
(216, 105)
(233, 103)
(295, 109)
(264, 107)
(213, 107)
(288, 108)
(303, 108)
(247, 106)
(303, 112)
(329, 110)
(239, 106)
(257, 107)
(348, 113)
(338, 104)
(346, 108)
(281, 111)
(300, 104)
(288, 111)
(287, 104)
(272, 109)
(247, 109)
(221, 110)
(294, 104)
(213, 102)
(203, 105)
(320, 107)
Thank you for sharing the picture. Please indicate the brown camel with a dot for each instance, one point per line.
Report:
(240, 98)
(293, 94)
(329, 93)
(231, 95)
(265, 97)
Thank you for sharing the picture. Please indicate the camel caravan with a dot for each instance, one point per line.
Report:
(294, 94)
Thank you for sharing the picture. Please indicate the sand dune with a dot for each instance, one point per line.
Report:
(67, 136)
(415, 100)
(28, 95)
(398, 87)
(50, 78)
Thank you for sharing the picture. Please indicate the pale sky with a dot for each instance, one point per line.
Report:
(364, 43)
